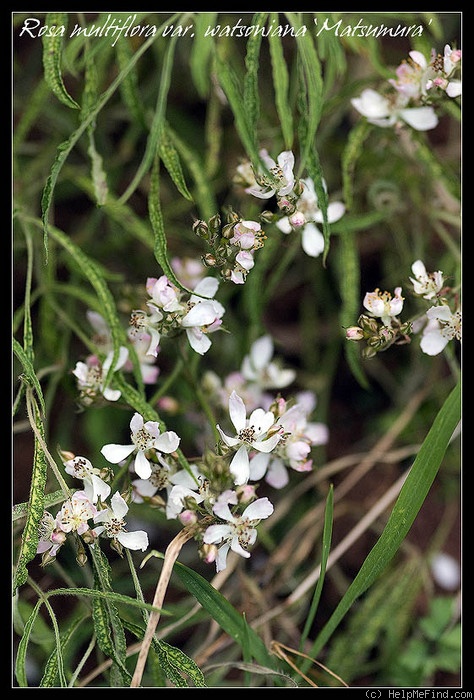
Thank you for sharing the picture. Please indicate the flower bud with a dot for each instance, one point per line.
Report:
(228, 230)
(214, 224)
(208, 553)
(368, 325)
(200, 228)
(354, 333)
(266, 217)
(115, 544)
(88, 537)
(209, 260)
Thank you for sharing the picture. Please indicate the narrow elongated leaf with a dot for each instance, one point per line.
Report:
(350, 156)
(405, 510)
(172, 163)
(52, 48)
(252, 62)
(281, 83)
(201, 52)
(29, 374)
(30, 536)
(156, 218)
(224, 614)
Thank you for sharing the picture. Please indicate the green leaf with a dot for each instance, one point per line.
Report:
(251, 94)
(231, 621)
(52, 48)
(156, 218)
(172, 163)
(30, 535)
(350, 156)
(29, 376)
(405, 510)
(281, 83)
(201, 52)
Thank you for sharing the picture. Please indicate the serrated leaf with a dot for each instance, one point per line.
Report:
(172, 163)
(30, 535)
(281, 83)
(52, 49)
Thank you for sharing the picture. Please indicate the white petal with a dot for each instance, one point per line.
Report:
(119, 506)
(420, 118)
(230, 441)
(418, 57)
(236, 547)
(116, 453)
(167, 442)
(111, 394)
(261, 352)
(284, 225)
(454, 88)
(261, 421)
(216, 533)
(432, 343)
(258, 466)
(418, 268)
(237, 412)
(136, 423)
(134, 540)
(221, 559)
(266, 445)
(202, 314)
(259, 509)
(239, 467)
(442, 313)
(142, 466)
(312, 240)
(206, 288)
(198, 340)
(371, 104)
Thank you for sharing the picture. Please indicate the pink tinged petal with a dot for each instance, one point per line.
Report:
(119, 505)
(230, 441)
(420, 118)
(277, 475)
(237, 412)
(245, 260)
(236, 547)
(267, 445)
(149, 374)
(116, 453)
(239, 466)
(221, 559)
(258, 466)
(216, 533)
(298, 450)
(312, 240)
(258, 510)
(142, 466)
(237, 277)
(317, 433)
(168, 442)
(134, 540)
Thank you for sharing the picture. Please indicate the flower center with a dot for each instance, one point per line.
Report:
(113, 527)
(143, 440)
(247, 434)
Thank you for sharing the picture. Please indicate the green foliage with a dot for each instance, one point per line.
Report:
(132, 153)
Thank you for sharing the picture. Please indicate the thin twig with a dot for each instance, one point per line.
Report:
(171, 554)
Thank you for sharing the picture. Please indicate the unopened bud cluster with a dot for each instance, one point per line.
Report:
(377, 336)
(232, 244)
